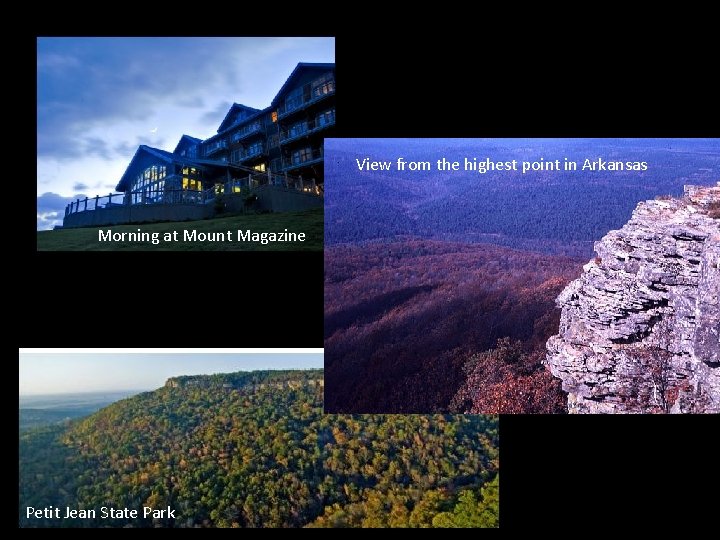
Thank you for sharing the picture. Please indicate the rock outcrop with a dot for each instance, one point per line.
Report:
(640, 328)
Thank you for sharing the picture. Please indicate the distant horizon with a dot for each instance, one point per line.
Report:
(52, 374)
(150, 389)
(118, 391)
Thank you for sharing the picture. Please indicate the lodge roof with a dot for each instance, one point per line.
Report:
(186, 139)
(135, 167)
(226, 123)
(302, 66)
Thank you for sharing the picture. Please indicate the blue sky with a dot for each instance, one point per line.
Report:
(59, 373)
(99, 98)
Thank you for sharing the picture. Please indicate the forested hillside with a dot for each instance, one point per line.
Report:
(556, 212)
(255, 449)
(404, 321)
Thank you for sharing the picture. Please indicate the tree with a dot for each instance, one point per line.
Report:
(469, 512)
(656, 362)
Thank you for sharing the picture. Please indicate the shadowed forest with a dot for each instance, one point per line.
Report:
(421, 309)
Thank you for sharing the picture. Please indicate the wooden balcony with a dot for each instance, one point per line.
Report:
(318, 94)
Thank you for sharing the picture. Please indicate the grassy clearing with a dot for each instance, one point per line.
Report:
(309, 222)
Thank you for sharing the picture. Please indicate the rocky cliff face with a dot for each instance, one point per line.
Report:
(640, 328)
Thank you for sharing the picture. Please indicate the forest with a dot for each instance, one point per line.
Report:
(406, 323)
(255, 450)
(554, 212)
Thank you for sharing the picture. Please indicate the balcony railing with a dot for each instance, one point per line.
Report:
(253, 181)
(106, 201)
(214, 147)
(144, 197)
(302, 159)
(318, 93)
(306, 128)
(246, 132)
(252, 153)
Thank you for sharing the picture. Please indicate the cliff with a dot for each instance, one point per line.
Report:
(250, 380)
(640, 328)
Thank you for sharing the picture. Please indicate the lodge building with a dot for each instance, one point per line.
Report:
(275, 153)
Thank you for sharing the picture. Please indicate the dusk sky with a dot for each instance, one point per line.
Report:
(60, 373)
(99, 98)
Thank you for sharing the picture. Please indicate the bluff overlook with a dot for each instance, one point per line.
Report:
(640, 328)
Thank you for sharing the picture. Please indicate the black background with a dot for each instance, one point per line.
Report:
(444, 76)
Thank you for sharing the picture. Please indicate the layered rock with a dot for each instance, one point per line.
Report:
(640, 328)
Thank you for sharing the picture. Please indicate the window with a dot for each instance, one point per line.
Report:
(274, 116)
(254, 149)
(260, 167)
(301, 156)
(190, 184)
(324, 85)
(297, 129)
(293, 100)
(149, 185)
(326, 118)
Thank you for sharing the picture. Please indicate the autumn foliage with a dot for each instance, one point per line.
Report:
(413, 326)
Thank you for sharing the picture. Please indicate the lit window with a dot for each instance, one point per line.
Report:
(324, 85)
(149, 185)
(274, 116)
(191, 184)
(260, 167)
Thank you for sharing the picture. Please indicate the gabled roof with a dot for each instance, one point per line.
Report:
(231, 127)
(136, 165)
(184, 142)
(299, 69)
(164, 155)
(236, 107)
